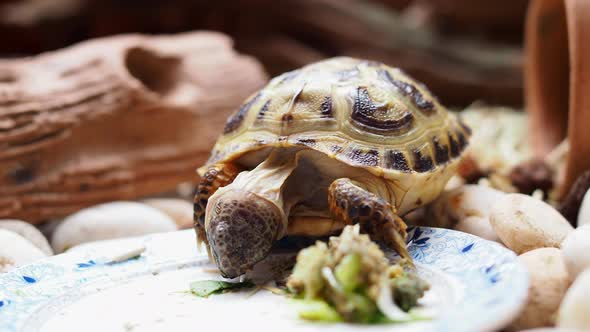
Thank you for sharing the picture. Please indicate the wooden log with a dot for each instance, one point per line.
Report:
(114, 118)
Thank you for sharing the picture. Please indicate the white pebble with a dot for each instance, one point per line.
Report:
(584, 212)
(180, 210)
(576, 251)
(477, 226)
(524, 223)
(467, 209)
(109, 221)
(548, 284)
(16, 250)
(29, 232)
(574, 312)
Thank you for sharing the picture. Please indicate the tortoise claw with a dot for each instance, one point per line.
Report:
(354, 205)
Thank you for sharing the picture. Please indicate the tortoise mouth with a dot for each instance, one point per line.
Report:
(241, 228)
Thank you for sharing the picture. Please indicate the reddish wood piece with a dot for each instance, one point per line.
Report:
(114, 118)
(558, 80)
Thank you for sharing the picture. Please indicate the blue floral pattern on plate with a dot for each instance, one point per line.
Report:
(494, 285)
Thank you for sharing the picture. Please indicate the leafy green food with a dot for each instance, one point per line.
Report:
(348, 272)
(407, 290)
(204, 288)
(350, 279)
(306, 278)
(317, 310)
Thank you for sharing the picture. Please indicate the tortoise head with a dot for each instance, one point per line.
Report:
(241, 227)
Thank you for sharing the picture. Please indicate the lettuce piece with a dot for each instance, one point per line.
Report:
(317, 310)
(348, 272)
(204, 288)
(306, 279)
(408, 289)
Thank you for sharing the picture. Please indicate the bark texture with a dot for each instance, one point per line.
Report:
(114, 118)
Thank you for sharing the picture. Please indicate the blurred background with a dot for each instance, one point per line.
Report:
(464, 50)
(168, 98)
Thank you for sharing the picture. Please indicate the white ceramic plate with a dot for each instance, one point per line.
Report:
(476, 285)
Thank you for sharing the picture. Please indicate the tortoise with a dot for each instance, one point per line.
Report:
(341, 141)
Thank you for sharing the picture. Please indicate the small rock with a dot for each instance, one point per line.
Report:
(466, 209)
(109, 221)
(548, 284)
(531, 175)
(180, 210)
(574, 312)
(29, 232)
(16, 250)
(571, 206)
(576, 251)
(524, 223)
(477, 226)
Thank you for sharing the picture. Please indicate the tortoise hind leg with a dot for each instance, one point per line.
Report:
(217, 176)
(353, 204)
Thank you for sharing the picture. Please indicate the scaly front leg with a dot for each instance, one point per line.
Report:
(353, 204)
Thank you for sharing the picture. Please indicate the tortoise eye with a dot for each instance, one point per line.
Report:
(381, 119)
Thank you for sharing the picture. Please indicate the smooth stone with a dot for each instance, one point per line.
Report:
(109, 221)
(548, 284)
(16, 250)
(180, 210)
(477, 226)
(29, 232)
(524, 223)
(576, 251)
(466, 209)
(574, 312)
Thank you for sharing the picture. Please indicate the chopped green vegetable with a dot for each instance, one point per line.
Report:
(364, 309)
(348, 272)
(407, 290)
(317, 310)
(204, 288)
(306, 278)
(351, 278)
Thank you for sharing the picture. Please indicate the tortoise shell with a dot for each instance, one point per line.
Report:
(362, 113)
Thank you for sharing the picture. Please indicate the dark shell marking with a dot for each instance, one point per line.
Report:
(236, 120)
(364, 158)
(364, 113)
(407, 89)
(287, 118)
(396, 160)
(422, 162)
(263, 110)
(465, 127)
(288, 76)
(462, 141)
(455, 151)
(441, 152)
(326, 107)
(310, 142)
